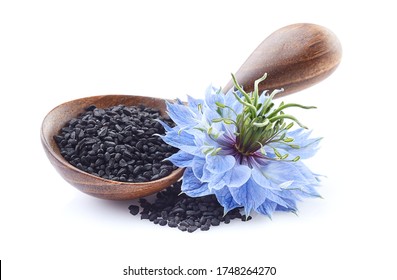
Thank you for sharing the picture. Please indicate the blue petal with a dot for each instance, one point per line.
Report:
(305, 172)
(178, 101)
(220, 164)
(182, 115)
(232, 102)
(198, 166)
(229, 133)
(181, 159)
(182, 141)
(218, 181)
(240, 175)
(291, 207)
(209, 115)
(166, 126)
(308, 191)
(260, 178)
(207, 175)
(250, 195)
(194, 103)
(275, 198)
(291, 175)
(192, 186)
(225, 199)
(267, 208)
(234, 178)
(212, 96)
(279, 172)
(288, 194)
(308, 146)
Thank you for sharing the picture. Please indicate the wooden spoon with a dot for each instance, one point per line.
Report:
(295, 57)
(85, 182)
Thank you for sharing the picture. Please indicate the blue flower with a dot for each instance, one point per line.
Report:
(238, 147)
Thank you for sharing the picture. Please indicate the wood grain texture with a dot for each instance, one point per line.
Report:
(295, 57)
(83, 181)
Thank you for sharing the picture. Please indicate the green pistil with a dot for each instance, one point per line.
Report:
(260, 125)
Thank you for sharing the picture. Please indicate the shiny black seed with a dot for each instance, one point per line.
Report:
(215, 222)
(192, 228)
(152, 217)
(245, 219)
(137, 170)
(164, 172)
(177, 210)
(123, 163)
(103, 131)
(110, 143)
(133, 209)
(147, 167)
(164, 214)
(184, 213)
(182, 228)
(139, 145)
(205, 227)
(172, 224)
(191, 212)
(147, 174)
(113, 142)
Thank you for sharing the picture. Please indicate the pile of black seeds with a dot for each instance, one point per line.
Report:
(183, 212)
(117, 143)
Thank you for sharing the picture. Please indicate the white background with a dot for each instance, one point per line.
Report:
(56, 51)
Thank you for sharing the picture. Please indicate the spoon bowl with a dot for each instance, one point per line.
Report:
(85, 182)
(295, 57)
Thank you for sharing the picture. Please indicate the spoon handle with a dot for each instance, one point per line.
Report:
(295, 57)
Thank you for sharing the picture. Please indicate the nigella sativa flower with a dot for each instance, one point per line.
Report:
(239, 147)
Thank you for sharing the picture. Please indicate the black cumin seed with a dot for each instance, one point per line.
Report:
(117, 143)
(186, 213)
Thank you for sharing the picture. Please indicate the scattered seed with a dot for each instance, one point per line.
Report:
(192, 228)
(134, 210)
(186, 213)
